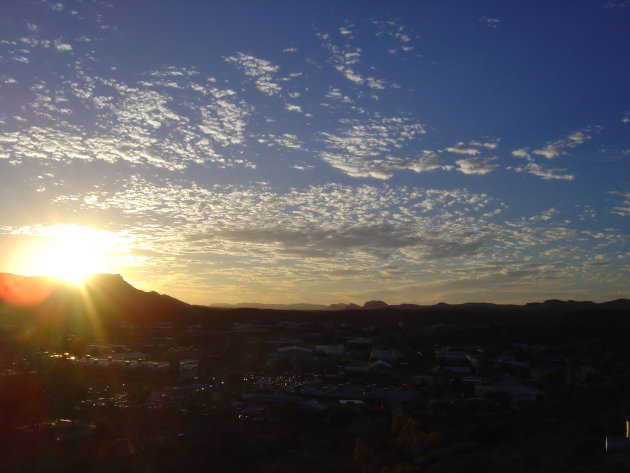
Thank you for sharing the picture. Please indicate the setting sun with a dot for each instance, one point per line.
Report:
(68, 253)
(70, 260)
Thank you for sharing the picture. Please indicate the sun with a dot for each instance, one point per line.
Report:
(70, 254)
(70, 260)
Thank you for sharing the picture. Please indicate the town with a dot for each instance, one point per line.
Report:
(535, 388)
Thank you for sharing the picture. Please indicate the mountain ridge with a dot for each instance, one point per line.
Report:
(112, 296)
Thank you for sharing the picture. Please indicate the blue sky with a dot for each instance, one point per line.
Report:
(320, 151)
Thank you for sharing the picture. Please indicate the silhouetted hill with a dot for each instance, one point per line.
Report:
(342, 306)
(102, 296)
(375, 305)
(114, 297)
(260, 305)
(108, 298)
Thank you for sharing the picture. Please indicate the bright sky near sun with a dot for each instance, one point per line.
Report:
(322, 151)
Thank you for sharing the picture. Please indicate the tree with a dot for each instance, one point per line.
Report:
(409, 436)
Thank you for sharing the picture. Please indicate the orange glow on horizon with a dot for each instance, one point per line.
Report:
(21, 291)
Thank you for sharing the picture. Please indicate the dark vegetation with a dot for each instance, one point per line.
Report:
(59, 414)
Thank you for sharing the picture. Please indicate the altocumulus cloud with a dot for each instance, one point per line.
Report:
(477, 165)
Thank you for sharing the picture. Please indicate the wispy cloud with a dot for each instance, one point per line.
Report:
(461, 148)
(346, 31)
(61, 46)
(551, 150)
(367, 148)
(261, 70)
(473, 148)
(449, 237)
(328, 222)
(303, 167)
(149, 123)
(394, 29)
(623, 209)
(285, 140)
(555, 148)
(347, 59)
(477, 165)
(293, 107)
(490, 22)
(336, 94)
(536, 169)
(546, 215)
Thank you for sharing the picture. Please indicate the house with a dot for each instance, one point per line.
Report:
(330, 350)
(390, 355)
(515, 389)
(380, 364)
(295, 350)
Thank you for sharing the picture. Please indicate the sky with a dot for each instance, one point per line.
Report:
(320, 151)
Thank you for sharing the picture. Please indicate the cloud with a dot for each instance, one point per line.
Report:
(293, 107)
(286, 140)
(330, 222)
(55, 6)
(166, 120)
(347, 59)
(345, 31)
(624, 208)
(373, 137)
(555, 148)
(369, 149)
(432, 249)
(521, 153)
(407, 235)
(365, 148)
(356, 166)
(476, 165)
(61, 46)
(461, 148)
(224, 119)
(381, 169)
(546, 215)
(537, 170)
(336, 94)
(261, 70)
(547, 174)
(473, 147)
(429, 161)
(490, 22)
(393, 29)
(303, 167)
(377, 84)
(491, 144)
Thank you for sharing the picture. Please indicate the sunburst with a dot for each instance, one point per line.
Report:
(68, 253)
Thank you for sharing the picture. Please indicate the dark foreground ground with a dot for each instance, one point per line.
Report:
(472, 388)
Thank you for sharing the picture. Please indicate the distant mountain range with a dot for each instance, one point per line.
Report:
(380, 305)
(110, 297)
